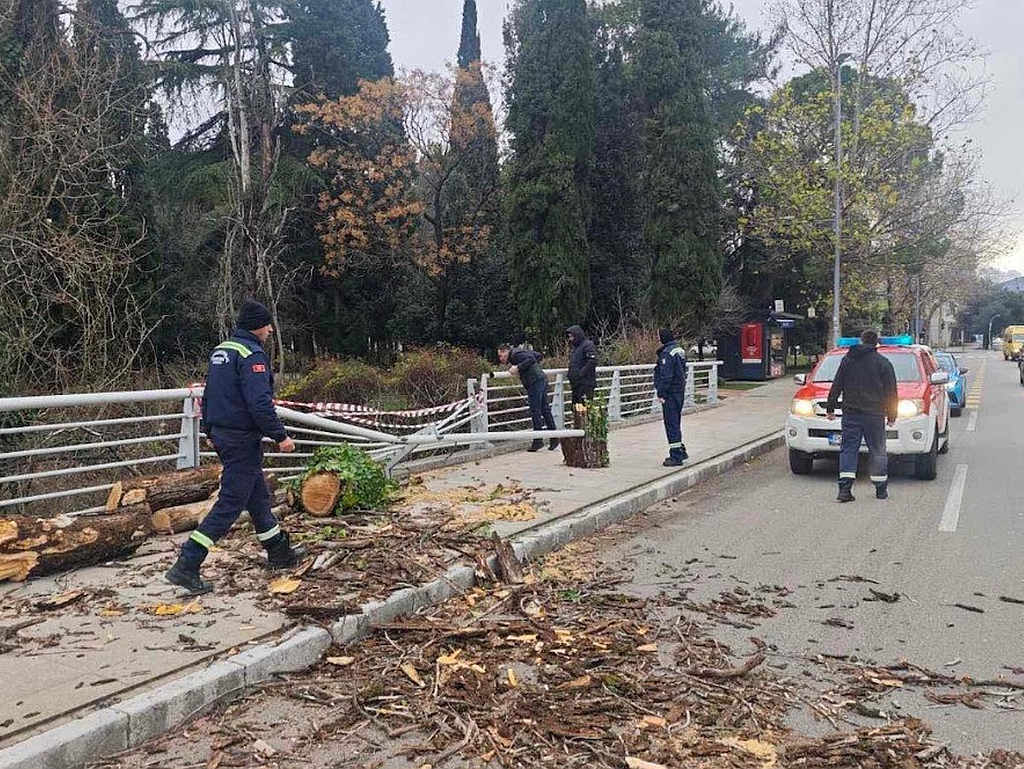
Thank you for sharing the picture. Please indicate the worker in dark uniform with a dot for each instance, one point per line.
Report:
(526, 363)
(866, 382)
(670, 386)
(238, 411)
(582, 366)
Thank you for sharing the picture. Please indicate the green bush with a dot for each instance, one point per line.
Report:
(366, 484)
(350, 381)
(431, 376)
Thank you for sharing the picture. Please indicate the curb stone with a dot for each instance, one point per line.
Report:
(134, 721)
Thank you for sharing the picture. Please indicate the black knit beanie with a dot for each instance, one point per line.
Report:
(253, 315)
(666, 335)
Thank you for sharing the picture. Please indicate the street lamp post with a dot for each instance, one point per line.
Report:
(839, 200)
(989, 340)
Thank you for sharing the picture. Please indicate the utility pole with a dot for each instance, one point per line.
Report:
(839, 199)
(917, 310)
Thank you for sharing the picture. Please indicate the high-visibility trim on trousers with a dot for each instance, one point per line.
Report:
(879, 478)
(846, 476)
(201, 539)
(678, 445)
(264, 536)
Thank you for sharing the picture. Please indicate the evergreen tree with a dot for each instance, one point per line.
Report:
(551, 114)
(680, 183)
(617, 269)
(469, 44)
(335, 44)
(474, 290)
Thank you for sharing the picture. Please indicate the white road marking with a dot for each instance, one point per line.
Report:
(951, 513)
(972, 423)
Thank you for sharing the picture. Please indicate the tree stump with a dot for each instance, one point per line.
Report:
(586, 451)
(320, 493)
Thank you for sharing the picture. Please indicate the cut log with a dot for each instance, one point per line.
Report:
(584, 452)
(168, 490)
(320, 493)
(174, 520)
(32, 547)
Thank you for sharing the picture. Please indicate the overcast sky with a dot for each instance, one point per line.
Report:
(425, 35)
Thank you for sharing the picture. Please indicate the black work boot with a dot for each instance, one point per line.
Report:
(186, 576)
(845, 491)
(881, 491)
(281, 554)
(673, 461)
(553, 444)
(537, 445)
(682, 453)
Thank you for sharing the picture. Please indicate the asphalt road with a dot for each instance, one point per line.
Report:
(958, 539)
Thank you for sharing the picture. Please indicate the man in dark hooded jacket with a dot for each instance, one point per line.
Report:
(866, 381)
(670, 386)
(526, 363)
(582, 365)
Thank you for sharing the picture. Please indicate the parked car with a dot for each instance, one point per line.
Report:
(957, 386)
(921, 431)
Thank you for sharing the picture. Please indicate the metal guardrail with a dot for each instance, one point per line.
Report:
(60, 454)
(628, 391)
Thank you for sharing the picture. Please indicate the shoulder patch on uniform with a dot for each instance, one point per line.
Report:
(259, 368)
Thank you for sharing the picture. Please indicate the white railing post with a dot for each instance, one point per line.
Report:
(713, 383)
(558, 402)
(188, 444)
(688, 399)
(615, 398)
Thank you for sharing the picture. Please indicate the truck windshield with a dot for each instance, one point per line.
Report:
(1018, 337)
(905, 364)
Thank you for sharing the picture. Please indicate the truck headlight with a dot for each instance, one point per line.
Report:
(910, 408)
(802, 408)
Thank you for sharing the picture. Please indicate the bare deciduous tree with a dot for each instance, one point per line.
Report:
(69, 241)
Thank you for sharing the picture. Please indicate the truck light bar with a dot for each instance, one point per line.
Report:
(888, 341)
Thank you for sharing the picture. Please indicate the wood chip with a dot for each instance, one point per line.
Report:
(413, 675)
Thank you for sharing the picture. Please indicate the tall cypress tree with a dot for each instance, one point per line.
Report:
(469, 44)
(617, 269)
(680, 183)
(474, 290)
(551, 119)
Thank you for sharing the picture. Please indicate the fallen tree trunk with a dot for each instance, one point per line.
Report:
(32, 547)
(167, 490)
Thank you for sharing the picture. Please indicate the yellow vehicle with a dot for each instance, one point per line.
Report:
(1013, 342)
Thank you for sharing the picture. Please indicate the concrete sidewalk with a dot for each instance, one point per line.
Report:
(113, 642)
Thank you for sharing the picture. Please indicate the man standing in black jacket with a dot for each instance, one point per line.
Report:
(526, 363)
(582, 366)
(866, 382)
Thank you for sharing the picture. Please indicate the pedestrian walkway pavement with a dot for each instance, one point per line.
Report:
(123, 631)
